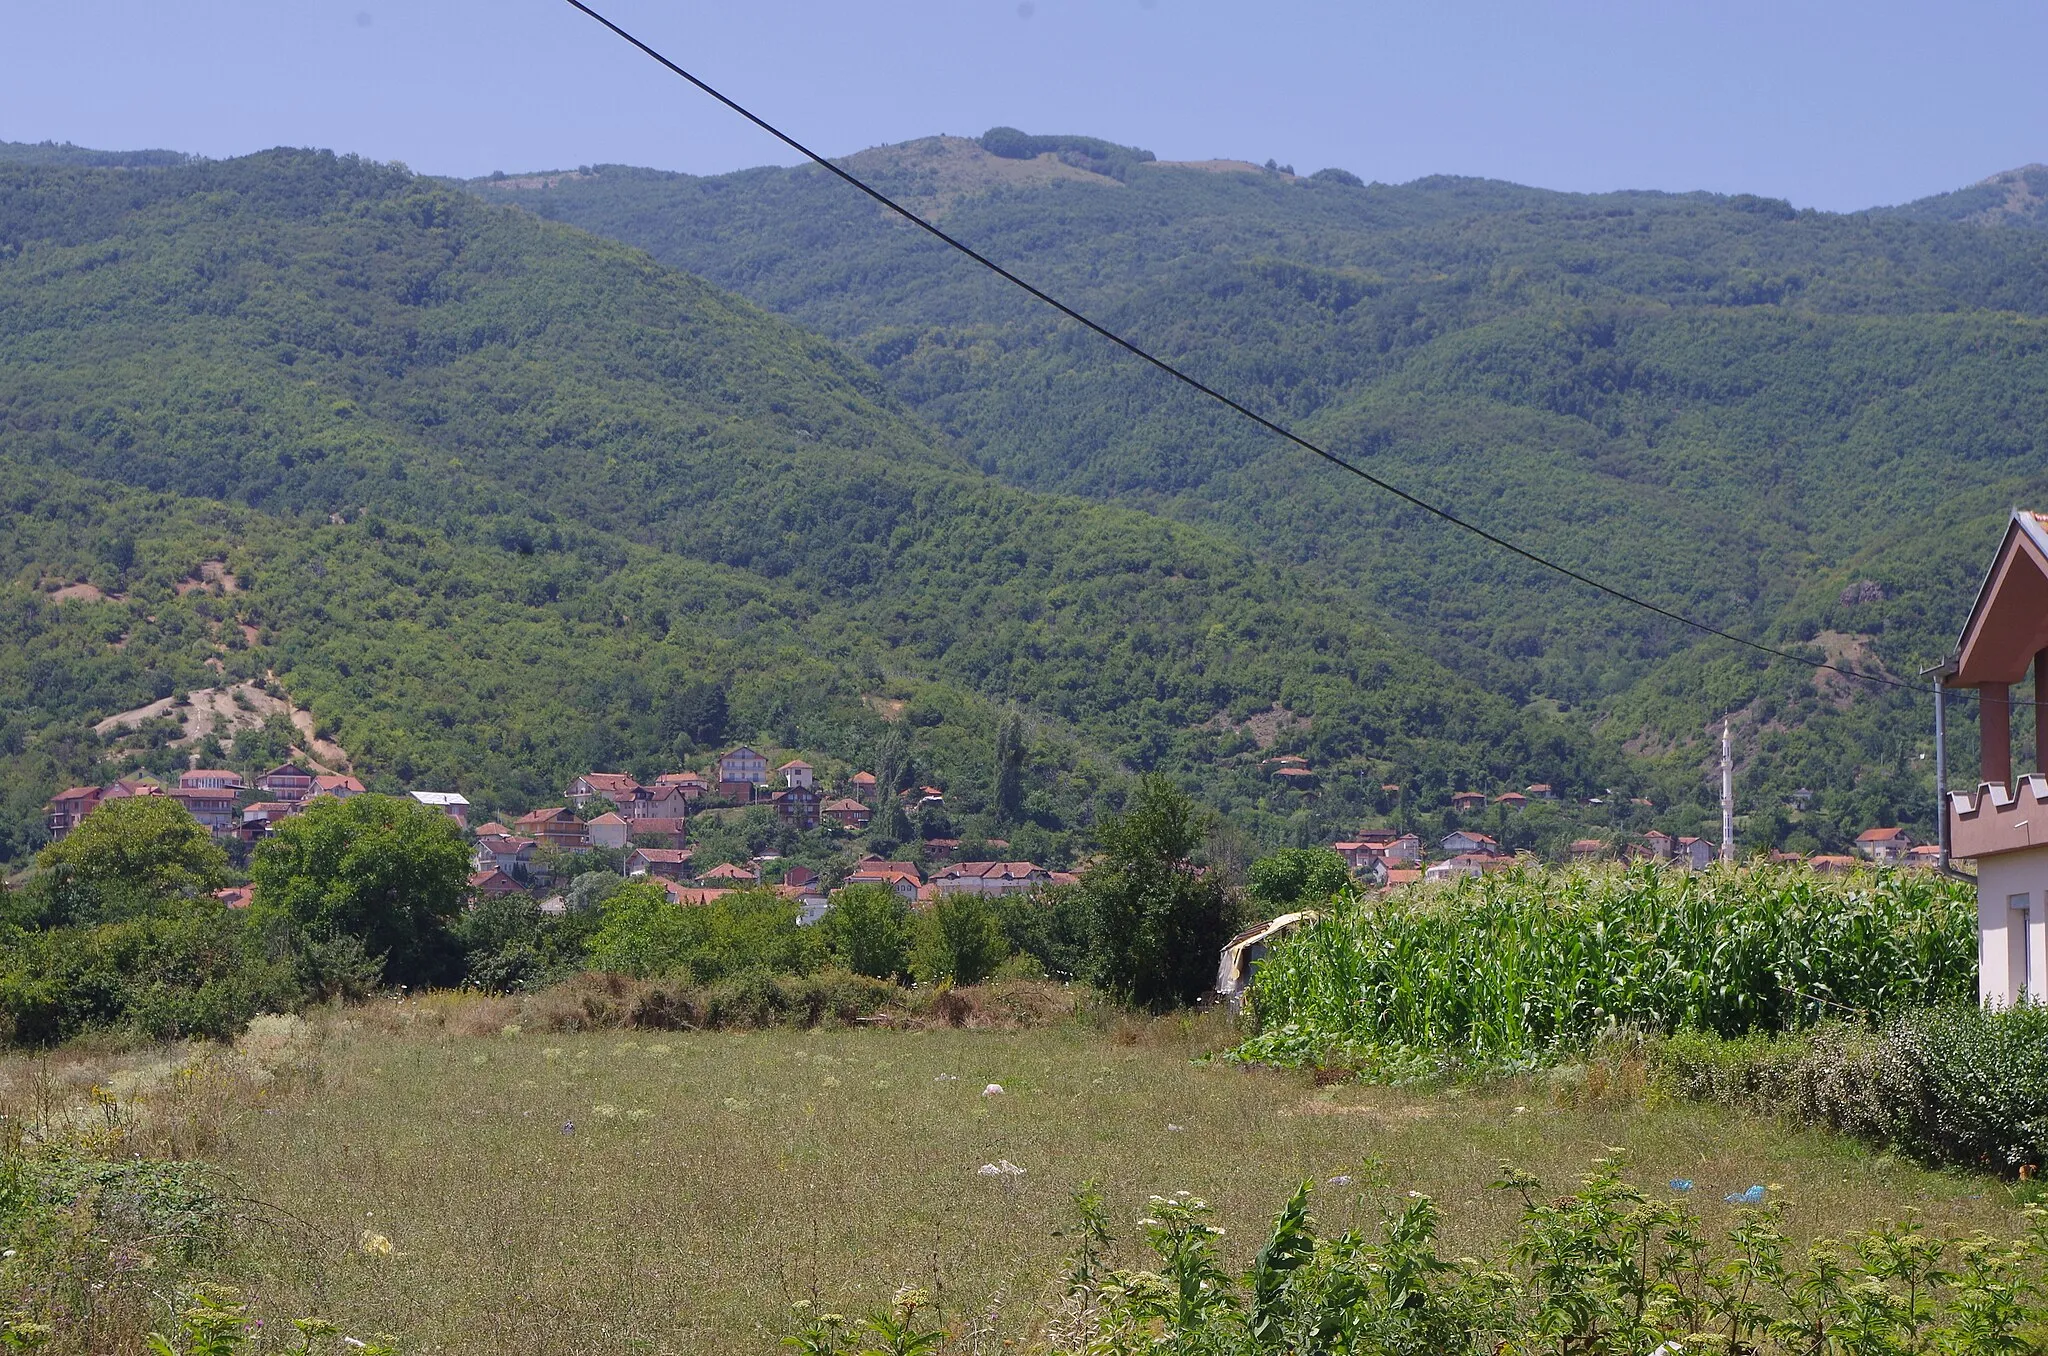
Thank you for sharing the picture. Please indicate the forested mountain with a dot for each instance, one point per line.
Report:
(1803, 427)
(492, 491)
(2015, 197)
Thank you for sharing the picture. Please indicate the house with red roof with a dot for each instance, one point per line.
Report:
(862, 785)
(609, 830)
(728, 872)
(336, 785)
(555, 827)
(213, 807)
(846, 812)
(1461, 842)
(690, 785)
(493, 885)
(287, 782)
(989, 878)
(669, 833)
(664, 863)
(259, 818)
(1887, 847)
(1464, 801)
(616, 787)
(211, 779)
(68, 809)
(504, 852)
(902, 877)
(796, 806)
(740, 770)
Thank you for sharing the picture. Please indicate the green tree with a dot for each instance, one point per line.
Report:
(640, 933)
(1298, 876)
(1007, 798)
(960, 939)
(868, 931)
(1159, 921)
(386, 870)
(128, 858)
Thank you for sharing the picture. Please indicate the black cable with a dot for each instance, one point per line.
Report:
(1170, 370)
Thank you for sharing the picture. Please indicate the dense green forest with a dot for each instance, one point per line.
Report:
(1803, 427)
(491, 492)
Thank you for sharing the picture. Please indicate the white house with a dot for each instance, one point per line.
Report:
(2003, 824)
(451, 803)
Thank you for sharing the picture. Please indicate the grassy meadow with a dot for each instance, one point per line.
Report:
(652, 1192)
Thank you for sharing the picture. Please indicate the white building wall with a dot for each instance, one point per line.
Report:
(2012, 927)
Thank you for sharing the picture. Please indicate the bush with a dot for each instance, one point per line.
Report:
(1955, 1084)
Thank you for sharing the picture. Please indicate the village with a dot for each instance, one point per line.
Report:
(611, 820)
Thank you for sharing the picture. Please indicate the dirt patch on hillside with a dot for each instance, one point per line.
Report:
(214, 575)
(226, 711)
(82, 593)
(1264, 727)
(888, 708)
(932, 174)
(1848, 652)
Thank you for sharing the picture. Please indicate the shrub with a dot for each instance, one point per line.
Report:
(1955, 1084)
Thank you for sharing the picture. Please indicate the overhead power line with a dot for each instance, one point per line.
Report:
(1279, 430)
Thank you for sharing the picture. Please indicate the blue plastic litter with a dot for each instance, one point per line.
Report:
(1753, 1196)
(1681, 1184)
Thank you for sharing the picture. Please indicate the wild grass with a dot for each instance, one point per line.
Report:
(1526, 965)
(618, 1191)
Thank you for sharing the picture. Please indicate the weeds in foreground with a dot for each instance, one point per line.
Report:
(1607, 1268)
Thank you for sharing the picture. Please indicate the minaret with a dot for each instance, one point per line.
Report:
(1727, 795)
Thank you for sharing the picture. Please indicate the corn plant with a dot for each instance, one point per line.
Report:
(1527, 964)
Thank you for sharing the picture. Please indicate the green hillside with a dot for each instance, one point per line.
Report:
(1739, 410)
(493, 491)
(2014, 197)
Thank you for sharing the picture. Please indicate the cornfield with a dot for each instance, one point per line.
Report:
(1528, 964)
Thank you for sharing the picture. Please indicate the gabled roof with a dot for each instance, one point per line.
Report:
(667, 856)
(990, 871)
(551, 814)
(1880, 835)
(727, 871)
(692, 895)
(609, 818)
(681, 779)
(76, 793)
(440, 800)
(862, 779)
(2008, 623)
(486, 830)
(285, 770)
(494, 882)
(337, 782)
(742, 751)
(605, 783)
(794, 762)
(846, 803)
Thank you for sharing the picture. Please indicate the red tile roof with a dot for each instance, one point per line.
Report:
(605, 783)
(1880, 835)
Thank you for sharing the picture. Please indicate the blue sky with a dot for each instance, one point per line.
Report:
(1833, 105)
